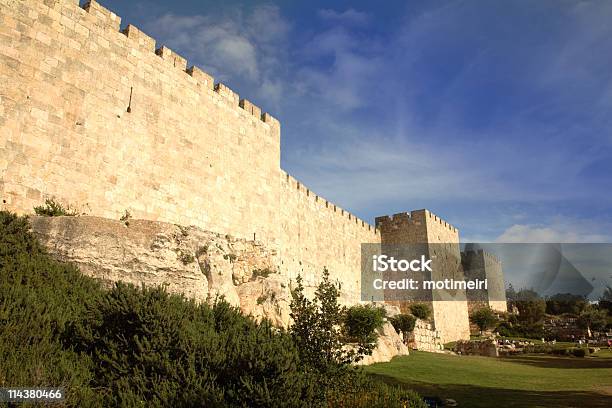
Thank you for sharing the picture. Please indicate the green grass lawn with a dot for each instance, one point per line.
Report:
(522, 381)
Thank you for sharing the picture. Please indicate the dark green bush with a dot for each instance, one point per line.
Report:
(403, 323)
(39, 297)
(168, 351)
(420, 311)
(484, 318)
(143, 347)
(53, 208)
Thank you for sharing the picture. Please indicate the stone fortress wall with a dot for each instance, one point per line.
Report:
(99, 118)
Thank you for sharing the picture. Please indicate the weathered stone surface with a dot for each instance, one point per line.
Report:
(268, 298)
(390, 344)
(186, 260)
(424, 337)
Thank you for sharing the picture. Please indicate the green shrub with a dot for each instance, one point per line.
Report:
(39, 297)
(484, 318)
(163, 349)
(144, 347)
(420, 311)
(403, 323)
(361, 324)
(53, 208)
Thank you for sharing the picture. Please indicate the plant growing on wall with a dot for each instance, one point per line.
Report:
(53, 208)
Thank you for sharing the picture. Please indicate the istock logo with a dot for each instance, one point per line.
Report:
(383, 263)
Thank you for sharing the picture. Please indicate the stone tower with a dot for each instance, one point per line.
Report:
(484, 265)
(439, 241)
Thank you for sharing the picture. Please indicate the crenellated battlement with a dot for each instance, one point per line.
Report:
(102, 18)
(324, 204)
(440, 221)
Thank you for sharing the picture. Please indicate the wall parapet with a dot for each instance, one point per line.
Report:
(108, 20)
(324, 203)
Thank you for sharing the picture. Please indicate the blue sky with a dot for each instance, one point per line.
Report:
(497, 116)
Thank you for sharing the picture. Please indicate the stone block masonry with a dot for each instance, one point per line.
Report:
(104, 119)
(98, 119)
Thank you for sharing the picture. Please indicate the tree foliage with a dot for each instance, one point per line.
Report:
(593, 318)
(360, 326)
(484, 318)
(420, 311)
(403, 323)
(562, 303)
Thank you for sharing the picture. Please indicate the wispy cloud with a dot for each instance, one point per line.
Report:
(559, 229)
(349, 16)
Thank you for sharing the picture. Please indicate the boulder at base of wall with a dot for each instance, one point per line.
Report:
(390, 344)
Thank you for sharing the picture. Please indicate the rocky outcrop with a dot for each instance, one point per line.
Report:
(390, 344)
(199, 264)
(188, 260)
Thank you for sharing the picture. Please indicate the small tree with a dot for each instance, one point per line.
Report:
(420, 311)
(320, 332)
(484, 318)
(361, 325)
(592, 319)
(403, 323)
(531, 307)
(316, 328)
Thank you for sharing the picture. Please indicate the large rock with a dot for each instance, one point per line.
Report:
(200, 264)
(390, 344)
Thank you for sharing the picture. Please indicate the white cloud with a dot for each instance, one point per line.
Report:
(349, 16)
(563, 231)
(346, 81)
